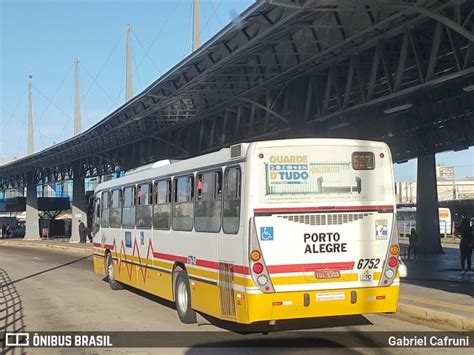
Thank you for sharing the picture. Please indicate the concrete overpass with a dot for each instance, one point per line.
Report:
(397, 71)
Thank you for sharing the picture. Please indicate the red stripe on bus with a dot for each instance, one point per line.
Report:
(244, 270)
(105, 246)
(322, 209)
(207, 263)
(276, 269)
(109, 246)
(240, 269)
(170, 257)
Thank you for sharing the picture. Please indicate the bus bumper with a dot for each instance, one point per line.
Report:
(321, 303)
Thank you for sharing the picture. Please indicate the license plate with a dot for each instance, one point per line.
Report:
(331, 296)
(327, 274)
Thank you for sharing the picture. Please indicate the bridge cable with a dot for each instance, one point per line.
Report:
(201, 32)
(187, 31)
(21, 100)
(55, 94)
(167, 18)
(66, 126)
(214, 9)
(85, 109)
(136, 71)
(121, 86)
(103, 65)
(145, 55)
(24, 124)
(37, 128)
(94, 81)
(70, 110)
(51, 103)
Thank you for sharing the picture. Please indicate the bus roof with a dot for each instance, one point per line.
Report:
(222, 157)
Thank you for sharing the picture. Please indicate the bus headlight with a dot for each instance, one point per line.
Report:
(262, 280)
(389, 273)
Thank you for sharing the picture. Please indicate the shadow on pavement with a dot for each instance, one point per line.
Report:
(440, 271)
(11, 312)
(44, 271)
(291, 343)
(147, 295)
(290, 324)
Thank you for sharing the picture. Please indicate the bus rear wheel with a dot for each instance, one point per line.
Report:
(183, 299)
(114, 285)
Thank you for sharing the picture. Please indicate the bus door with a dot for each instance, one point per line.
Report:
(229, 241)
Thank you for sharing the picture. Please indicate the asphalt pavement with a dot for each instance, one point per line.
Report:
(53, 290)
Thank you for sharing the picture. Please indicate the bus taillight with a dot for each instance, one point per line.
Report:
(255, 255)
(257, 268)
(262, 280)
(392, 261)
(389, 273)
(394, 249)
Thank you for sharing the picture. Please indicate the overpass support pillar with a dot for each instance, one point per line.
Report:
(78, 207)
(427, 218)
(32, 220)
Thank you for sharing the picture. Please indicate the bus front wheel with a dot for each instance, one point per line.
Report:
(114, 285)
(183, 299)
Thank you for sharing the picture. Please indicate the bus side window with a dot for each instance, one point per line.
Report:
(128, 211)
(162, 204)
(104, 209)
(208, 205)
(182, 210)
(97, 210)
(232, 189)
(116, 209)
(96, 220)
(144, 207)
(218, 185)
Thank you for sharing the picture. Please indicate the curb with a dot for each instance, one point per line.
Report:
(433, 318)
(47, 246)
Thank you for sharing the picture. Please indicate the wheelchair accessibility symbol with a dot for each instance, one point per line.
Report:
(266, 233)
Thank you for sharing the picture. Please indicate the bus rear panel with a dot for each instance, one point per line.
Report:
(322, 237)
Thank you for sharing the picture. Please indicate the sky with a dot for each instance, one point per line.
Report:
(43, 38)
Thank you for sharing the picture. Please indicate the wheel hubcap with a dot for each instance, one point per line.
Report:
(182, 297)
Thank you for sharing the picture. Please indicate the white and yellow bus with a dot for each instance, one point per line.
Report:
(258, 232)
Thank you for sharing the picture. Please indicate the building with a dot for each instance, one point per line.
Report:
(448, 188)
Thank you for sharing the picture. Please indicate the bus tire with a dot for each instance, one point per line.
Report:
(183, 299)
(114, 285)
